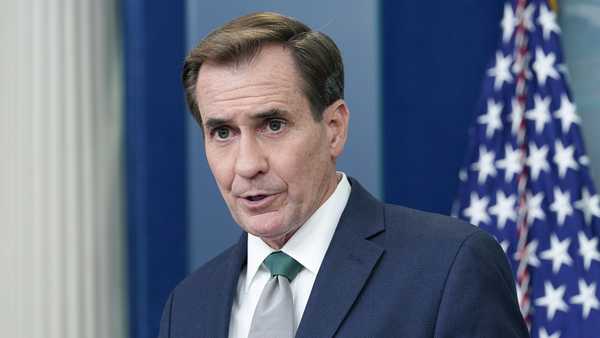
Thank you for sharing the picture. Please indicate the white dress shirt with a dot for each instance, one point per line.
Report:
(308, 246)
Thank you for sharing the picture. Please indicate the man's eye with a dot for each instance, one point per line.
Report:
(275, 125)
(222, 133)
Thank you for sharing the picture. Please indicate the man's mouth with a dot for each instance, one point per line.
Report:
(255, 198)
(258, 201)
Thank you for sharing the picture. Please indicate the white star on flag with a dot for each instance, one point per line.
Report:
(547, 20)
(566, 113)
(504, 209)
(492, 118)
(527, 14)
(558, 253)
(537, 160)
(544, 334)
(476, 211)
(508, 23)
(586, 298)
(529, 254)
(511, 163)
(561, 205)
(485, 165)
(564, 157)
(588, 249)
(462, 175)
(552, 300)
(534, 207)
(540, 113)
(501, 71)
(516, 115)
(544, 66)
(589, 205)
(584, 160)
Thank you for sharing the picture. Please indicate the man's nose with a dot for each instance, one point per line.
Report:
(251, 159)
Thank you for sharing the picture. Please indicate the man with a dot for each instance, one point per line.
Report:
(320, 257)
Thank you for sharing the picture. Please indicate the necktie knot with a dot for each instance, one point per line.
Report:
(280, 264)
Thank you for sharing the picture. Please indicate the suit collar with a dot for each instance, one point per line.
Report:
(348, 263)
(225, 290)
(364, 213)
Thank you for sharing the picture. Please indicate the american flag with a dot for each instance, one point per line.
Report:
(526, 178)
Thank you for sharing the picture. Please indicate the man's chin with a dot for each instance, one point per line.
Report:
(264, 225)
(269, 230)
(276, 240)
(267, 233)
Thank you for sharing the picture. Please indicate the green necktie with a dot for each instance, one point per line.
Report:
(274, 313)
(281, 264)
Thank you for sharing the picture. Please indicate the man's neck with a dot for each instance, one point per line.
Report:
(279, 242)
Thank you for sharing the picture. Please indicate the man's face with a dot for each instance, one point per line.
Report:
(273, 163)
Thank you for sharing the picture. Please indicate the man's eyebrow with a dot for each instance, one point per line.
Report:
(215, 122)
(270, 114)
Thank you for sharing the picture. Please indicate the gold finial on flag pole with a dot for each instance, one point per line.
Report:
(553, 5)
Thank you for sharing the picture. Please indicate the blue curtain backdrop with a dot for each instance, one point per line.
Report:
(154, 47)
(434, 58)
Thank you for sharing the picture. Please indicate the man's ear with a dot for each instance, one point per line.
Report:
(335, 119)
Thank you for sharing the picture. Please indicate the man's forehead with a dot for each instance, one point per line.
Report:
(226, 101)
(270, 61)
(270, 79)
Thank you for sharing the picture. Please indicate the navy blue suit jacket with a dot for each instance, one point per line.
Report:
(389, 272)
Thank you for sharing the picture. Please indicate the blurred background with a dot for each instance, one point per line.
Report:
(106, 200)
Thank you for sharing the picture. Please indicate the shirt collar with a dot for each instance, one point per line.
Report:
(309, 244)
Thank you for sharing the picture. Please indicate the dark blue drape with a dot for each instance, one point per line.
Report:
(434, 58)
(154, 47)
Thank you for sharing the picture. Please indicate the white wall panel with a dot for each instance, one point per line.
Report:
(61, 218)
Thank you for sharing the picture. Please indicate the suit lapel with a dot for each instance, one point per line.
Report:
(347, 265)
(225, 286)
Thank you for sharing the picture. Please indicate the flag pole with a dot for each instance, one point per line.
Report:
(521, 64)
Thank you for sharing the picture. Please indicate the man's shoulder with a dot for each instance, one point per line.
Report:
(431, 244)
(423, 222)
(422, 232)
(404, 222)
(431, 229)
